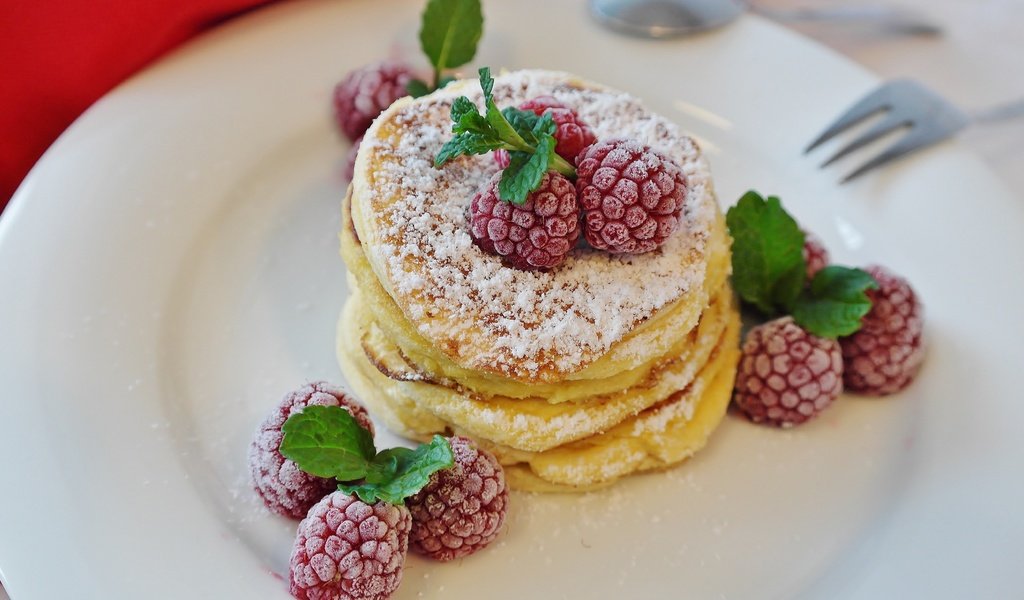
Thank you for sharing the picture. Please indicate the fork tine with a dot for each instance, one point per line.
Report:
(891, 121)
(916, 138)
(877, 100)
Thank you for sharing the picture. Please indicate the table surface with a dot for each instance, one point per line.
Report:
(976, 63)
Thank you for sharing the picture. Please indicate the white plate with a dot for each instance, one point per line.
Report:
(169, 269)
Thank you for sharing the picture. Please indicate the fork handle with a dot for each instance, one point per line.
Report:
(999, 112)
(885, 17)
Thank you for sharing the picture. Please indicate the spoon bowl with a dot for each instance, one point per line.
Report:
(665, 18)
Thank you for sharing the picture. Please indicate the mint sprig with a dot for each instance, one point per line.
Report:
(767, 253)
(770, 273)
(450, 31)
(407, 471)
(835, 302)
(326, 441)
(529, 140)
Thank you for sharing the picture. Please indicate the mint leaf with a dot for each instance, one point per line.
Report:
(545, 125)
(523, 121)
(413, 469)
(470, 143)
(326, 441)
(768, 268)
(382, 468)
(461, 107)
(528, 138)
(525, 171)
(835, 302)
(417, 88)
(449, 33)
(486, 83)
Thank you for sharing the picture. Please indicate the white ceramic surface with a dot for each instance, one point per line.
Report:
(169, 269)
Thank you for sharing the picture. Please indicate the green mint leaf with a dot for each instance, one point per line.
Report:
(768, 268)
(527, 136)
(523, 122)
(413, 469)
(449, 33)
(465, 144)
(545, 125)
(486, 83)
(417, 88)
(326, 441)
(444, 81)
(473, 133)
(382, 468)
(461, 107)
(835, 302)
(525, 171)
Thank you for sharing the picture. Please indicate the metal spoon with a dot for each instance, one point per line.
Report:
(672, 18)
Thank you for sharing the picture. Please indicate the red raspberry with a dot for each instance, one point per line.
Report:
(787, 375)
(285, 489)
(535, 235)
(367, 91)
(631, 195)
(571, 134)
(884, 355)
(815, 254)
(346, 549)
(462, 508)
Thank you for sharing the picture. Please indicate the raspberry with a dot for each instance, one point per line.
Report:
(815, 254)
(284, 488)
(346, 549)
(571, 134)
(367, 91)
(631, 195)
(787, 375)
(884, 355)
(462, 508)
(535, 235)
(350, 159)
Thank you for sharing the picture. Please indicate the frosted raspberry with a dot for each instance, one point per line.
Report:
(884, 355)
(632, 196)
(815, 254)
(346, 549)
(787, 375)
(350, 159)
(535, 235)
(285, 489)
(572, 135)
(462, 508)
(367, 91)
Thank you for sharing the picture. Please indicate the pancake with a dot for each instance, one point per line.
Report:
(662, 434)
(574, 377)
(515, 325)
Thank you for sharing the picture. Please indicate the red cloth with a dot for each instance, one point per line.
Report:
(60, 56)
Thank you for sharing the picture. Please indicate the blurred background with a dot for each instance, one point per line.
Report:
(59, 57)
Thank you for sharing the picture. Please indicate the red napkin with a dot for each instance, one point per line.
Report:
(58, 57)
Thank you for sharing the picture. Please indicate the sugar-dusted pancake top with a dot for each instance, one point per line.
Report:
(534, 326)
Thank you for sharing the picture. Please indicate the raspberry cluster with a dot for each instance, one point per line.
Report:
(787, 375)
(352, 546)
(628, 197)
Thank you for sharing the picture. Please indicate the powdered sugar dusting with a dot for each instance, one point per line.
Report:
(487, 315)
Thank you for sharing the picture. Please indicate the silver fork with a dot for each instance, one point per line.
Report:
(930, 118)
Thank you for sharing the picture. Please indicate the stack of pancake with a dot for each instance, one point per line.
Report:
(604, 366)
